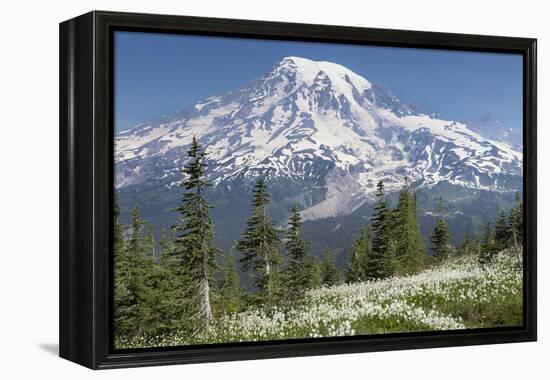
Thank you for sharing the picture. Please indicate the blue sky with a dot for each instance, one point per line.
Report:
(159, 74)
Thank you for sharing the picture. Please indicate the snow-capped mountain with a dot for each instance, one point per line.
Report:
(489, 126)
(322, 134)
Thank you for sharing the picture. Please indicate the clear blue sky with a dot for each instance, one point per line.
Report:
(159, 74)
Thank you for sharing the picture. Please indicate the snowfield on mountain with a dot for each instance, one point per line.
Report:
(319, 125)
(458, 294)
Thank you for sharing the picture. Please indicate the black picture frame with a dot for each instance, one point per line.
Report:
(86, 188)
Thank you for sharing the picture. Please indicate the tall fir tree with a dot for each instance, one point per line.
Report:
(166, 246)
(466, 247)
(149, 242)
(230, 295)
(119, 242)
(161, 286)
(300, 269)
(502, 232)
(135, 241)
(136, 305)
(488, 248)
(316, 273)
(516, 223)
(520, 217)
(360, 251)
(409, 240)
(195, 241)
(260, 246)
(330, 274)
(118, 234)
(418, 237)
(173, 303)
(122, 324)
(440, 238)
(380, 263)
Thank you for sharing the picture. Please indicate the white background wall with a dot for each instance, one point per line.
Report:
(29, 187)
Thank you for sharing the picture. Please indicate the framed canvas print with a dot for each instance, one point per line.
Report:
(238, 189)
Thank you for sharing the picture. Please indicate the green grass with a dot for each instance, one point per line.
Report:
(457, 294)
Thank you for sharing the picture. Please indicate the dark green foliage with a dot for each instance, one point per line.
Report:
(380, 263)
(149, 242)
(122, 325)
(118, 233)
(300, 271)
(502, 232)
(440, 238)
(230, 295)
(316, 276)
(488, 246)
(409, 248)
(132, 296)
(135, 243)
(166, 246)
(194, 243)
(508, 233)
(142, 288)
(260, 245)
(469, 246)
(516, 223)
(330, 274)
(169, 282)
(164, 309)
(361, 251)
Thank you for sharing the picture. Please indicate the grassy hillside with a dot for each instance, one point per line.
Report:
(457, 294)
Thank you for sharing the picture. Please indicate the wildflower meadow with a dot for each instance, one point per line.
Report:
(459, 294)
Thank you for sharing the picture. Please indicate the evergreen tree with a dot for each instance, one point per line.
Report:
(465, 247)
(119, 244)
(488, 248)
(164, 280)
(162, 287)
(358, 261)
(369, 255)
(469, 246)
(419, 250)
(380, 262)
(330, 275)
(316, 275)
(149, 242)
(409, 240)
(166, 246)
(440, 238)
(122, 324)
(134, 312)
(502, 230)
(135, 241)
(174, 304)
(300, 270)
(260, 245)
(520, 218)
(118, 234)
(516, 223)
(195, 241)
(230, 286)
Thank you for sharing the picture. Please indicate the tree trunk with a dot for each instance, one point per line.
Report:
(205, 309)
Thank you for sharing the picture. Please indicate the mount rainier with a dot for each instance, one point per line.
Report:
(321, 135)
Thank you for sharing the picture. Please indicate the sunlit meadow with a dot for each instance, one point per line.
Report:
(459, 294)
